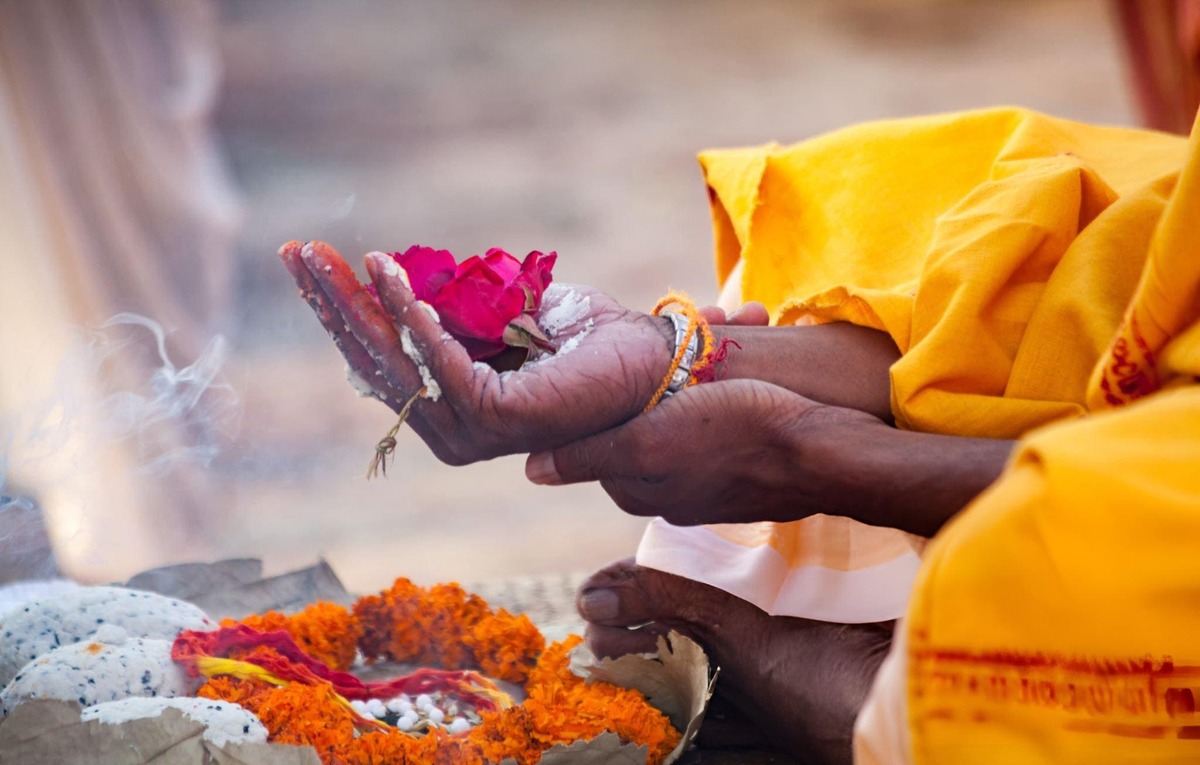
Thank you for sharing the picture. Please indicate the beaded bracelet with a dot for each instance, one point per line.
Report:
(690, 330)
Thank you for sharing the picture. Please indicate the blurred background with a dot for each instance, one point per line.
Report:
(155, 154)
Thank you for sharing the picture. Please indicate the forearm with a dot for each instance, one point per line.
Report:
(887, 477)
(837, 364)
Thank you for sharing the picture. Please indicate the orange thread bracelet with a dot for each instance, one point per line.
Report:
(682, 305)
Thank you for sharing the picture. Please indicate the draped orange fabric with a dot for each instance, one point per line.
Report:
(1001, 249)
(1054, 620)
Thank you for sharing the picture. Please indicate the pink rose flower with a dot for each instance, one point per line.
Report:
(486, 303)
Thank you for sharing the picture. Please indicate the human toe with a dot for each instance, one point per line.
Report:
(610, 642)
(625, 594)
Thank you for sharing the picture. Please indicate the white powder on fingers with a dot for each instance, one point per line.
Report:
(433, 314)
(566, 307)
(392, 268)
(570, 344)
(433, 391)
(360, 385)
(223, 721)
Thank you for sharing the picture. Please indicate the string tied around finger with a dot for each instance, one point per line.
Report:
(387, 445)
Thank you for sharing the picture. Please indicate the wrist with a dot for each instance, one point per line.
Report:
(837, 364)
(691, 340)
(665, 329)
(830, 448)
(901, 479)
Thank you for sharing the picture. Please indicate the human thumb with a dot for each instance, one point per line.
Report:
(589, 459)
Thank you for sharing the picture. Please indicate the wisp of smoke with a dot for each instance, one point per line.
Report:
(173, 401)
(170, 414)
(117, 392)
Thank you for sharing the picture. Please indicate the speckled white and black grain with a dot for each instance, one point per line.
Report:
(224, 722)
(45, 624)
(92, 672)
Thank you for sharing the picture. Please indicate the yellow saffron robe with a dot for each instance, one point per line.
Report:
(998, 248)
(1034, 272)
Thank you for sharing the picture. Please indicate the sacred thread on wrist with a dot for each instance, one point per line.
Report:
(682, 371)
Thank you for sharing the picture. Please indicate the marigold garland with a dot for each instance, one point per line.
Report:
(326, 631)
(447, 626)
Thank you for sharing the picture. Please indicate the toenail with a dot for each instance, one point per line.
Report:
(599, 605)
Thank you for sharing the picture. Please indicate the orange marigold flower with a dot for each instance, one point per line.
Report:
(445, 620)
(268, 622)
(233, 689)
(325, 631)
(506, 734)
(584, 710)
(305, 714)
(380, 748)
(506, 646)
(388, 622)
(554, 664)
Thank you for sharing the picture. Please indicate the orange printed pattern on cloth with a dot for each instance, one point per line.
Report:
(1055, 619)
(1166, 303)
(834, 542)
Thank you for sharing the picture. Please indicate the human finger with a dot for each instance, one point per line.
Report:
(637, 448)
(362, 314)
(355, 354)
(373, 330)
(752, 314)
(624, 594)
(713, 314)
(444, 365)
(612, 642)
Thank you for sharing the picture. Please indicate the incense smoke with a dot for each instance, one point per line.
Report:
(121, 416)
(172, 401)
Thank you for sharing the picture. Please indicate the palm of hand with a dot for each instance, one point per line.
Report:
(609, 362)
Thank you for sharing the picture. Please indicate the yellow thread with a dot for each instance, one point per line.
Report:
(210, 666)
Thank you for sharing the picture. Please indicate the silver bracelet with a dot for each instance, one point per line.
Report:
(683, 372)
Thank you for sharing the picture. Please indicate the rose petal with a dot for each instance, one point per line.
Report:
(428, 270)
(535, 275)
(476, 306)
(505, 265)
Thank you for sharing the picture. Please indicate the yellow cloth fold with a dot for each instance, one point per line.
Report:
(1006, 232)
(1034, 272)
(999, 248)
(1055, 619)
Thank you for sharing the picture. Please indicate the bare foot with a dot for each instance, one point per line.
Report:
(800, 682)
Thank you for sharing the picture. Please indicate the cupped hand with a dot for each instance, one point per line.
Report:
(725, 452)
(610, 361)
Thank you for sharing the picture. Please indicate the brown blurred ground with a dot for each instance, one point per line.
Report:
(541, 125)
